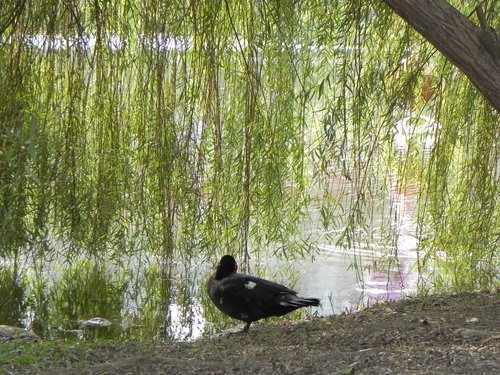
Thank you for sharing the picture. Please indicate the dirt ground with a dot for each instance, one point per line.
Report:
(448, 334)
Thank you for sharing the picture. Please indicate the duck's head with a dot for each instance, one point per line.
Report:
(226, 267)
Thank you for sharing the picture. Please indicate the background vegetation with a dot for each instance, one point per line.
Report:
(190, 129)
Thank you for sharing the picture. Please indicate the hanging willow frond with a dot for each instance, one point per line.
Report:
(177, 128)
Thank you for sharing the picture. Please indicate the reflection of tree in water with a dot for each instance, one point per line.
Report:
(84, 291)
(12, 290)
(393, 275)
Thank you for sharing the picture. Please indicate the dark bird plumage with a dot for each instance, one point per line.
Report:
(250, 298)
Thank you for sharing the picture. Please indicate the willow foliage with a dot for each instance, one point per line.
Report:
(178, 127)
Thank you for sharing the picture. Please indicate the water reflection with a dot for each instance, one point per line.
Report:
(147, 298)
(12, 297)
(178, 308)
(382, 267)
(61, 304)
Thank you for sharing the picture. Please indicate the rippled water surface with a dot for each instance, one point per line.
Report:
(144, 301)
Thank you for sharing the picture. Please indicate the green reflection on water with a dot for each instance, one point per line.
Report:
(144, 303)
(80, 292)
(151, 301)
(12, 297)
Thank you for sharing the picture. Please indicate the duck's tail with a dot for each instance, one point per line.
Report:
(296, 301)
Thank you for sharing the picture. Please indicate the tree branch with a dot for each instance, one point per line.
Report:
(473, 50)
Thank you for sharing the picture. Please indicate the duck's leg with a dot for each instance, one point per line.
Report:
(246, 328)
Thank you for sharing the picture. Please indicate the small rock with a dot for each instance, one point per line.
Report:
(8, 333)
(467, 333)
(424, 321)
(472, 320)
(95, 322)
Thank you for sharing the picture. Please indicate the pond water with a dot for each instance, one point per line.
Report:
(145, 298)
(143, 301)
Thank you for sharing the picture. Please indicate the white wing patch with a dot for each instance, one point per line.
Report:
(250, 285)
(221, 301)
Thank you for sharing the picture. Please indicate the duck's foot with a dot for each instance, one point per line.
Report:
(235, 332)
(246, 328)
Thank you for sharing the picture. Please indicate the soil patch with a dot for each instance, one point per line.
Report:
(442, 334)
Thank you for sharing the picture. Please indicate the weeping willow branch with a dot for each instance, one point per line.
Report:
(185, 128)
(8, 18)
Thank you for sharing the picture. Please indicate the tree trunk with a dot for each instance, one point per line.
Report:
(474, 50)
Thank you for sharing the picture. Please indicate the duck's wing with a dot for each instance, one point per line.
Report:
(250, 288)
